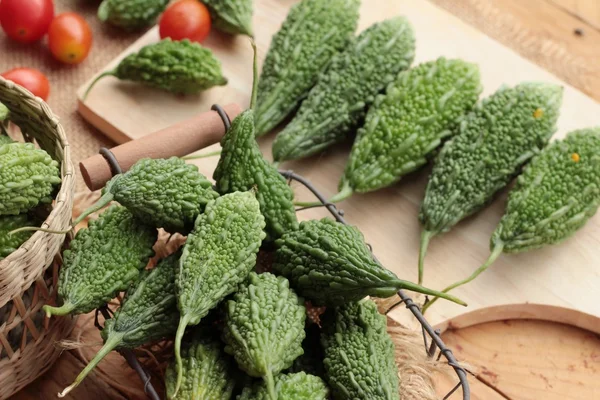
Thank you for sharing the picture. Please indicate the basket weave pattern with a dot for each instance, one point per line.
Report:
(27, 338)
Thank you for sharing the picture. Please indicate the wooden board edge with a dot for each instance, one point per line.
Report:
(533, 311)
(100, 123)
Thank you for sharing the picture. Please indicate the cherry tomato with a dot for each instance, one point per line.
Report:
(26, 20)
(31, 79)
(185, 19)
(69, 38)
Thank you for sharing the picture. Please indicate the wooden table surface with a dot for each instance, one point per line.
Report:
(508, 359)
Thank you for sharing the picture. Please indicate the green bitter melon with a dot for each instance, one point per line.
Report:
(408, 123)
(298, 386)
(557, 193)
(491, 146)
(27, 177)
(165, 193)
(217, 257)
(339, 101)
(243, 167)
(179, 67)
(359, 353)
(131, 14)
(207, 370)
(330, 264)
(102, 260)
(231, 16)
(264, 327)
(8, 223)
(148, 313)
(313, 32)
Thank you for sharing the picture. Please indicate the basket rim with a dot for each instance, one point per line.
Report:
(62, 205)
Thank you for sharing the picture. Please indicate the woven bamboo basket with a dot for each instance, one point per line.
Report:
(28, 276)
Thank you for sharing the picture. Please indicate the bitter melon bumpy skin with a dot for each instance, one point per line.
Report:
(231, 16)
(27, 177)
(179, 67)
(217, 257)
(491, 146)
(148, 313)
(103, 259)
(207, 373)
(330, 264)
(242, 167)
(8, 223)
(165, 193)
(298, 386)
(408, 123)
(131, 14)
(313, 32)
(557, 193)
(264, 327)
(359, 353)
(339, 101)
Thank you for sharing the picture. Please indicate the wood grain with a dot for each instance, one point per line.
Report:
(586, 10)
(541, 32)
(529, 360)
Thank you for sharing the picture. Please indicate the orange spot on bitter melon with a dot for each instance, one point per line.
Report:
(575, 157)
(538, 113)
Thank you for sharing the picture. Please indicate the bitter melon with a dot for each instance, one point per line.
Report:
(217, 257)
(179, 67)
(330, 264)
(491, 146)
(165, 193)
(131, 14)
(298, 386)
(231, 16)
(339, 101)
(243, 167)
(207, 370)
(10, 243)
(557, 193)
(27, 177)
(409, 122)
(313, 32)
(148, 313)
(264, 327)
(102, 260)
(359, 353)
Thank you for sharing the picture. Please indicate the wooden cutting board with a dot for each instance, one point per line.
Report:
(559, 283)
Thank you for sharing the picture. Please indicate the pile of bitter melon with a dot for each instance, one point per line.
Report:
(239, 333)
(28, 180)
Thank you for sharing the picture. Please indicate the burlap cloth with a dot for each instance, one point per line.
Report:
(65, 79)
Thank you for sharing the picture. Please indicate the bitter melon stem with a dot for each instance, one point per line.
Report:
(402, 284)
(496, 251)
(111, 343)
(425, 238)
(98, 205)
(183, 323)
(102, 75)
(270, 385)
(343, 194)
(65, 309)
(203, 155)
(254, 75)
(38, 229)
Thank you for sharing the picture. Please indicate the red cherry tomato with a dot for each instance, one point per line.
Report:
(31, 79)
(185, 19)
(69, 38)
(26, 20)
